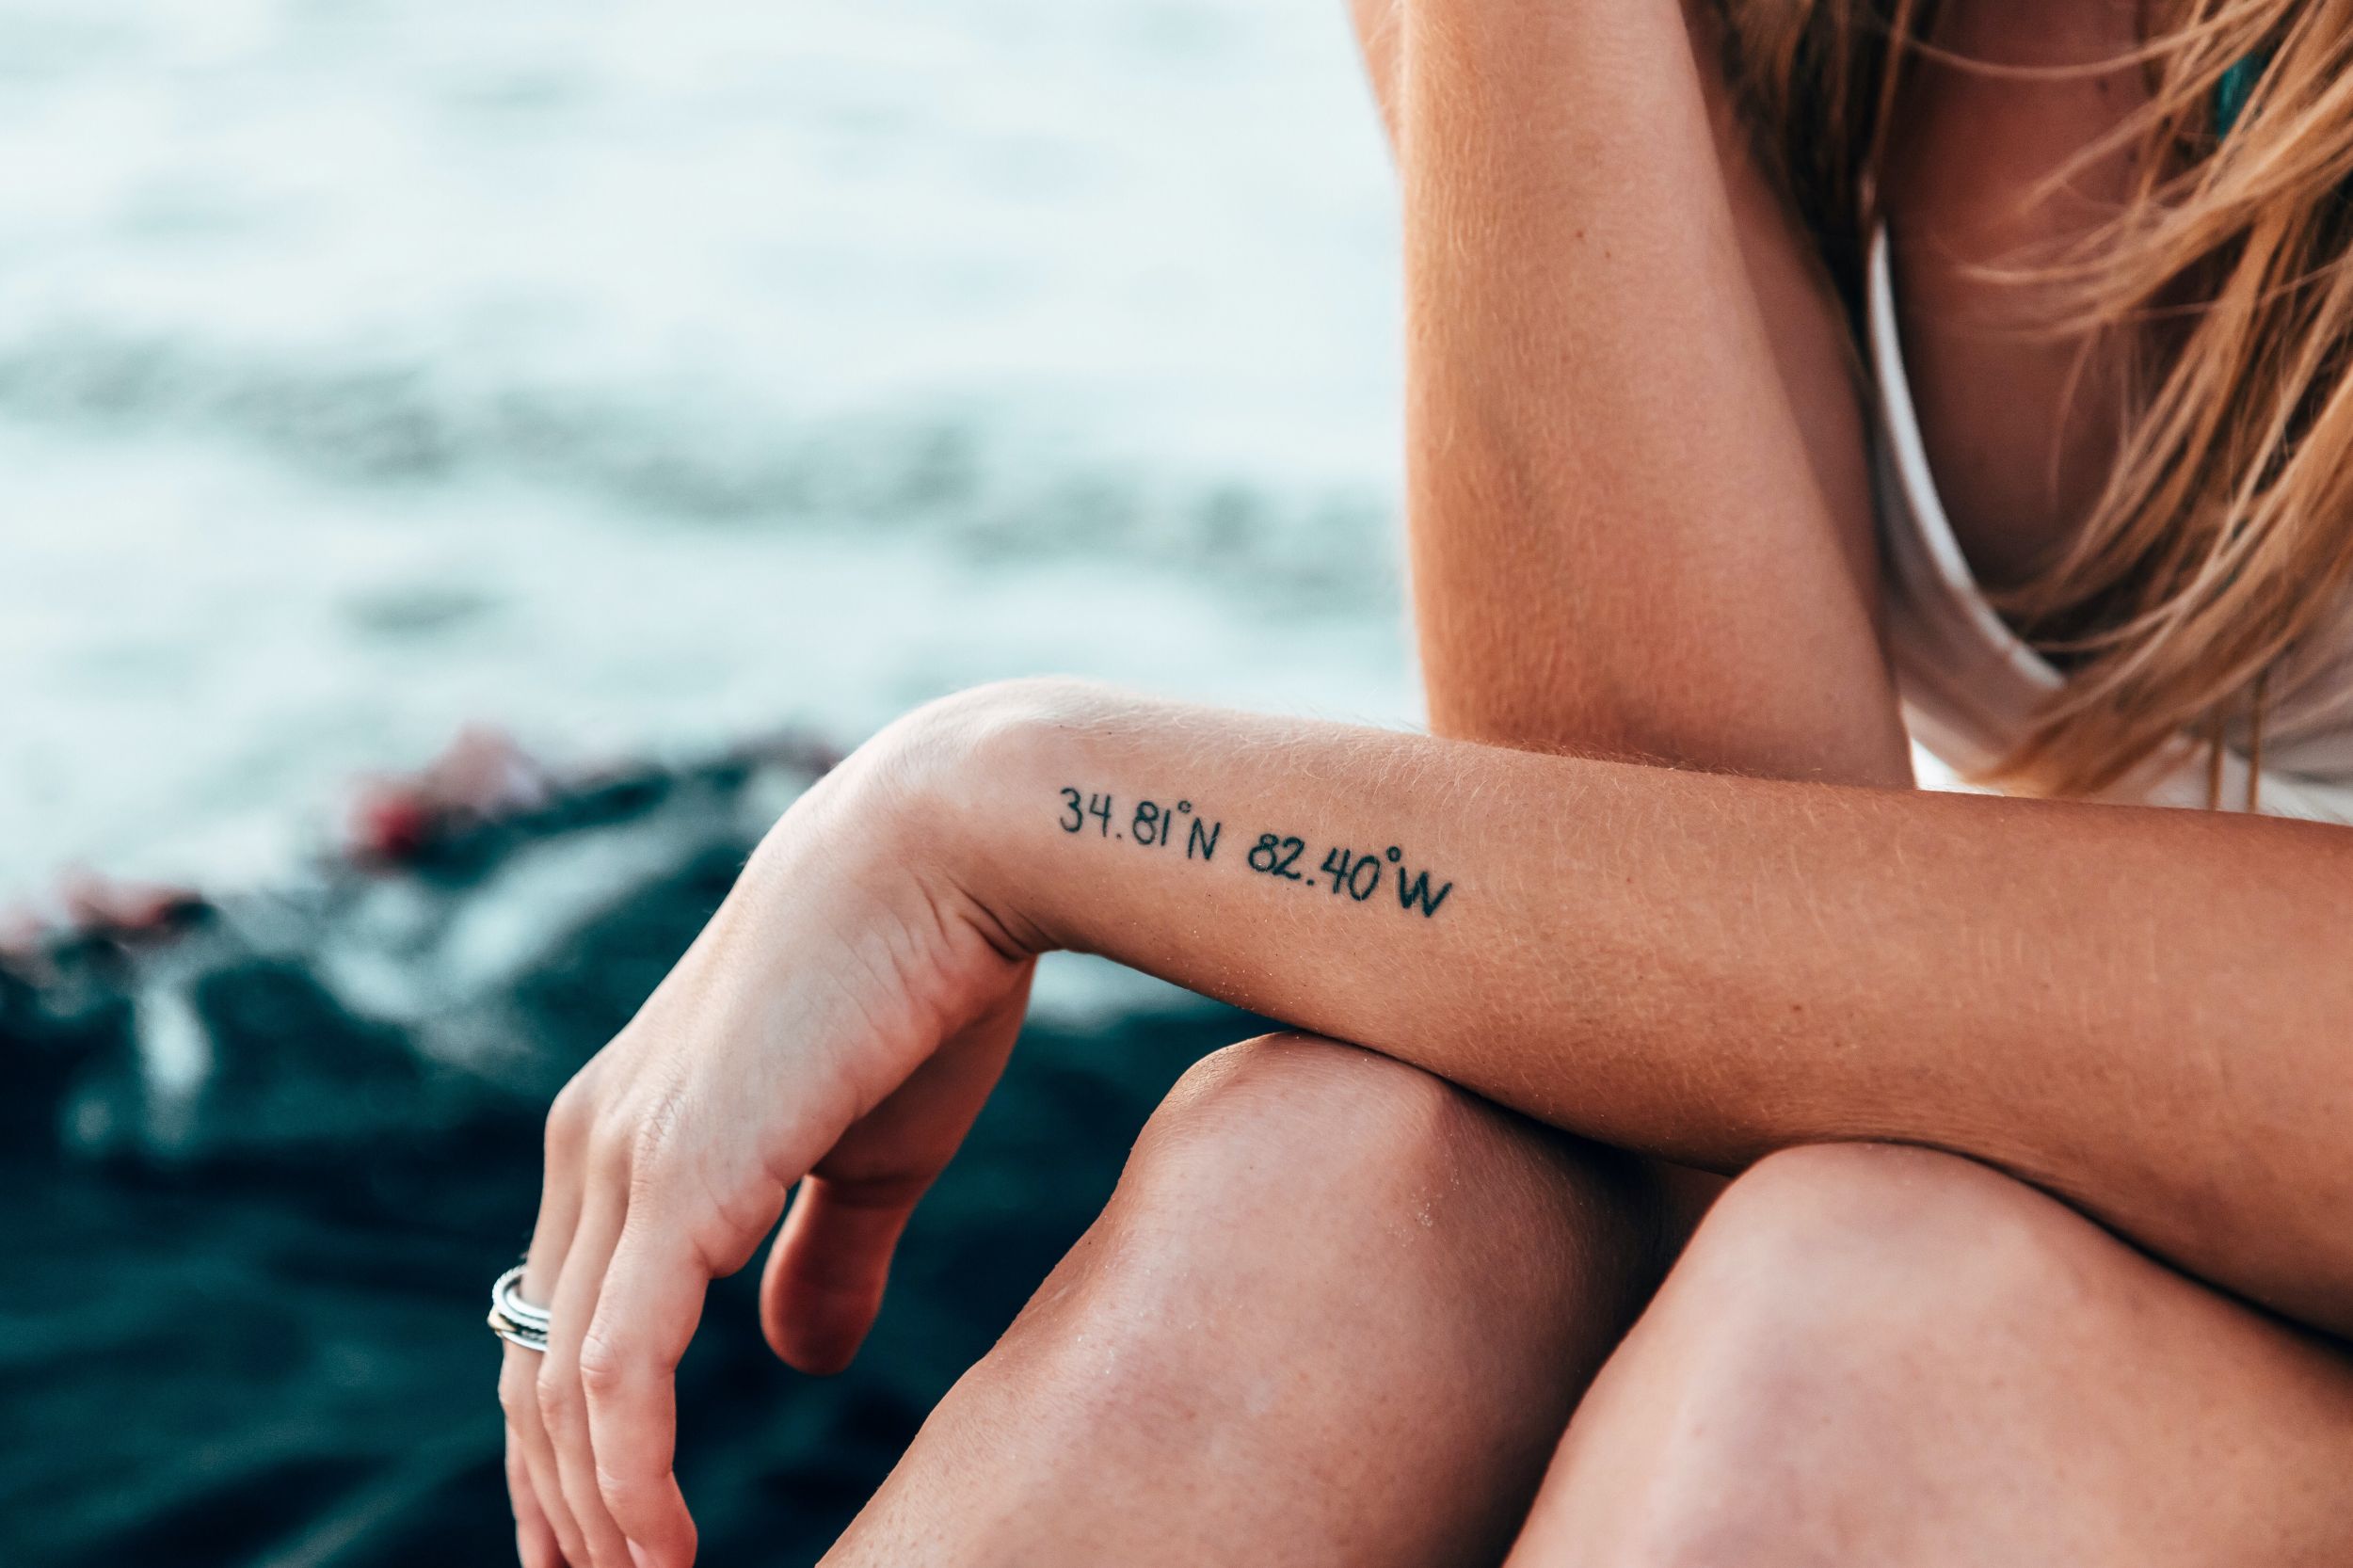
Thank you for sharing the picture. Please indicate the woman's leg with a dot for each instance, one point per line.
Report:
(1885, 1355)
(1337, 1313)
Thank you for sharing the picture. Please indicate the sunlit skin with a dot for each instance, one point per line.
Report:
(1358, 1281)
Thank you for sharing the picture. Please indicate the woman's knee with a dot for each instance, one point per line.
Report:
(1330, 1289)
(1296, 1192)
(1291, 1135)
(1272, 1125)
(1793, 1364)
(1866, 1245)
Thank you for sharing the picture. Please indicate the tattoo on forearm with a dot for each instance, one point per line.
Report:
(1152, 825)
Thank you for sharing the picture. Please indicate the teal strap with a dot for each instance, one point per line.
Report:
(2233, 92)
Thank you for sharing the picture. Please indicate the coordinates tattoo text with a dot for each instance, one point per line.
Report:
(1149, 825)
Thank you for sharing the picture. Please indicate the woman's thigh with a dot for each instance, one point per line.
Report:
(1873, 1354)
(1336, 1312)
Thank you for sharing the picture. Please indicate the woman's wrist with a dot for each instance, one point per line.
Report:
(937, 793)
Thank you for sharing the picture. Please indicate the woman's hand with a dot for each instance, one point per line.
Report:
(838, 1024)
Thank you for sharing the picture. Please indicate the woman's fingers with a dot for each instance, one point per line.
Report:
(534, 1539)
(562, 1406)
(651, 1299)
(824, 1279)
(529, 1451)
(550, 1240)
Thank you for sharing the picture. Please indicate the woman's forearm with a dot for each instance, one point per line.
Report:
(2140, 1010)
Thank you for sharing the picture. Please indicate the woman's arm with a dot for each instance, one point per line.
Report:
(2140, 1010)
(1638, 508)
(2147, 1012)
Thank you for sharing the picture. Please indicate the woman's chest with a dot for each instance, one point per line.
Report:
(2020, 427)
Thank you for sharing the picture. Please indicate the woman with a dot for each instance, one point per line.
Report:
(2038, 1243)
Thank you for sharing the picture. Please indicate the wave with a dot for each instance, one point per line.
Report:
(670, 453)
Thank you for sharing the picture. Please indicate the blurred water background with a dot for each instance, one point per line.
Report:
(637, 377)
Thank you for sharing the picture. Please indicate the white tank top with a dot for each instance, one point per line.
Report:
(1971, 686)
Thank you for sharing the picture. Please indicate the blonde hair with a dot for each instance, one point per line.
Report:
(2224, 284)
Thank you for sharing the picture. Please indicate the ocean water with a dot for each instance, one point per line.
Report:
(636, 376)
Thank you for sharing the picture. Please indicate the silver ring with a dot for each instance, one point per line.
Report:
(515, 1320)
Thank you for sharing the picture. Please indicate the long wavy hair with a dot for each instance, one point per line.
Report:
(2224, 534)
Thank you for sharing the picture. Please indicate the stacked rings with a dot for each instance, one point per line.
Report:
(513, 1319)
